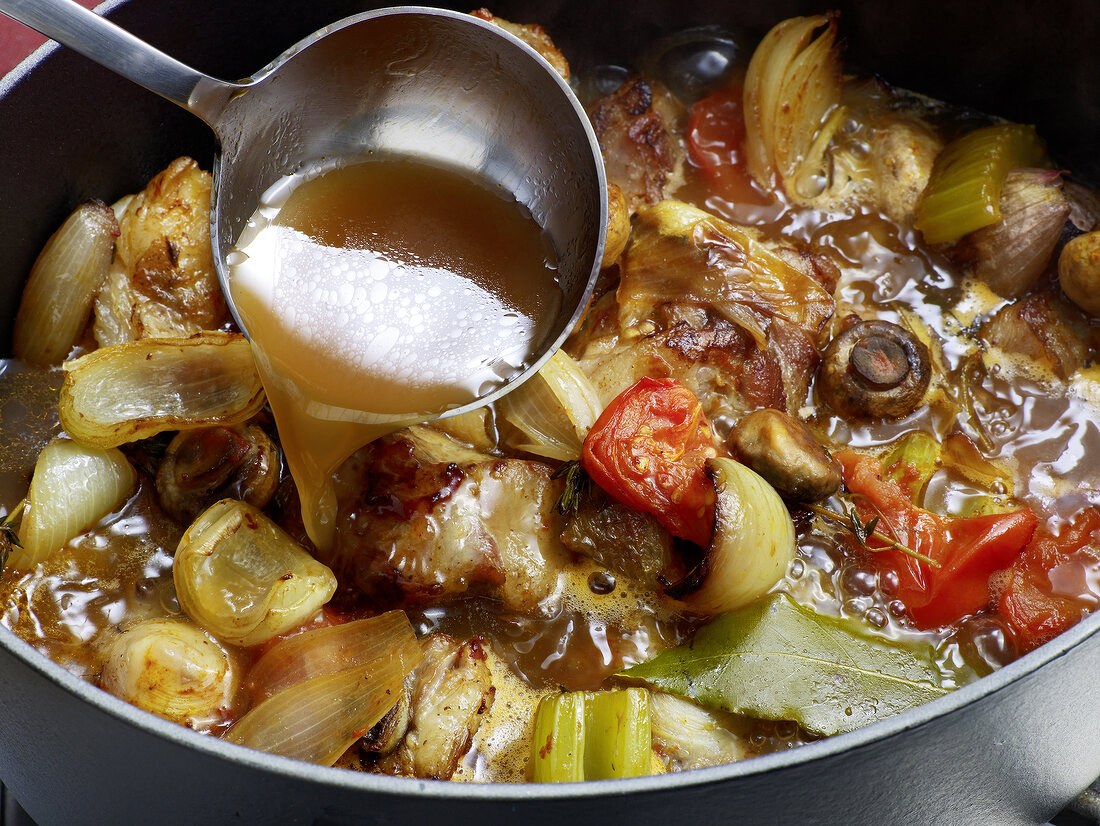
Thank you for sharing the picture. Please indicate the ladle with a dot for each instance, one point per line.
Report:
(425, 82)
(437, 85)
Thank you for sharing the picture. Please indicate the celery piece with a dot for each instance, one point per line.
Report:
(582, 735)
(911, 462)
(964, 191)
(618, 736)
(557, 750)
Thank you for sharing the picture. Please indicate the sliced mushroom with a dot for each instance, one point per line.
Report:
(874, 369)
(786, 454)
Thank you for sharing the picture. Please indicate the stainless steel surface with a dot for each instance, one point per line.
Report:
(433, 84)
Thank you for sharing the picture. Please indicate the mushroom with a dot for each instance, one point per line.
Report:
(210, 463)
(1079, 272)
(874, 369)
(786, 454)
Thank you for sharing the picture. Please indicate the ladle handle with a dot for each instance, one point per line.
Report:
(100, 40)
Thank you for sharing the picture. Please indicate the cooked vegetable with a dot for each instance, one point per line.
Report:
(752, 544)
(582, 735)
(131, 391)
(206, 464)
(778, 660)
(555, 409)
(618, 226)
(1079, 272)
(326, 650)
(1011, 254)
(319, 718)
(969, 549)
(72, 488)
(647, 450)
(792, 105)
(964, 193)
(786, 454)
(910, 463)
(243, 578)
(1030, 600)
(683, 254)
(716, 143)
(57, 298)
(874, 369)
(173, 669)
(691, 736)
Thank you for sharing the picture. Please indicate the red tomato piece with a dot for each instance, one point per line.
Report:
(648, 449)
(969, 550)
(716, 144)
(1029, 603)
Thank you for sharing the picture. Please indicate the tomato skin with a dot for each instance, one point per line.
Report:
(647, 450)
(1027, 602)
(969, 549)
(716, 144)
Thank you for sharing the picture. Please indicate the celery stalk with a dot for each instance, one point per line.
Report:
(618, 736)
(964, 191)
(557, 751)
(583, 735)
(911, 462)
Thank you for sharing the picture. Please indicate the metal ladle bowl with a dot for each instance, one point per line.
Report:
(435, 85)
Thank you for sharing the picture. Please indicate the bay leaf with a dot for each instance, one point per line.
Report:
(778, 660)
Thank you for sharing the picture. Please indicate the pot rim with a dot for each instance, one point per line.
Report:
(355, 781)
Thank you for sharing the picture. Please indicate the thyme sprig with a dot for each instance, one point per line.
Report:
(8, 537)
(849, 519)
(577, 487)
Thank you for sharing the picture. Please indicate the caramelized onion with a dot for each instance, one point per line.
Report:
(131, 391)
(57, 299)
(792, 105)
(752, 544)
(327, 650)
(243, 578)
(72, 488)
(555, 409)
(319, 718)
(174, 669)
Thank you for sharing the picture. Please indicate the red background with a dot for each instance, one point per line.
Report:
(17, 41)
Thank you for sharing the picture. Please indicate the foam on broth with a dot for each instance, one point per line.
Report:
(381, 293)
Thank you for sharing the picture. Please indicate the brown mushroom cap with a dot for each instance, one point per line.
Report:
(874, 370)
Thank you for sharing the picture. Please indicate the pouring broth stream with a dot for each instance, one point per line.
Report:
(382, 293)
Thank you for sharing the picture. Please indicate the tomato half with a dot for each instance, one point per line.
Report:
(647, 450)
(1029, 602)
(969, 550)
(716, 144)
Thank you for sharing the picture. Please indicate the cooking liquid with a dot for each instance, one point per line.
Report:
(380, 294)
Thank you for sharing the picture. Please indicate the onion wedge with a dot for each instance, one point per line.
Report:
(752, 544)
(57, 299)
(134, 390)
(72, 488)
(317, 719)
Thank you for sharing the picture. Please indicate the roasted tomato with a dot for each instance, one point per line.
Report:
(647, 449)
(969, 550)
(716, 144)
(1029, 601)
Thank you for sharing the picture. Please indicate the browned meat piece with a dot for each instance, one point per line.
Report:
(731, 314)
(451, 691)
(163, 282)
(422, 531)
(1049, 333)
(640, 154)
(534, 36)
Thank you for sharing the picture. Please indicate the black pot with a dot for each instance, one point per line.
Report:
(1011, 748)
